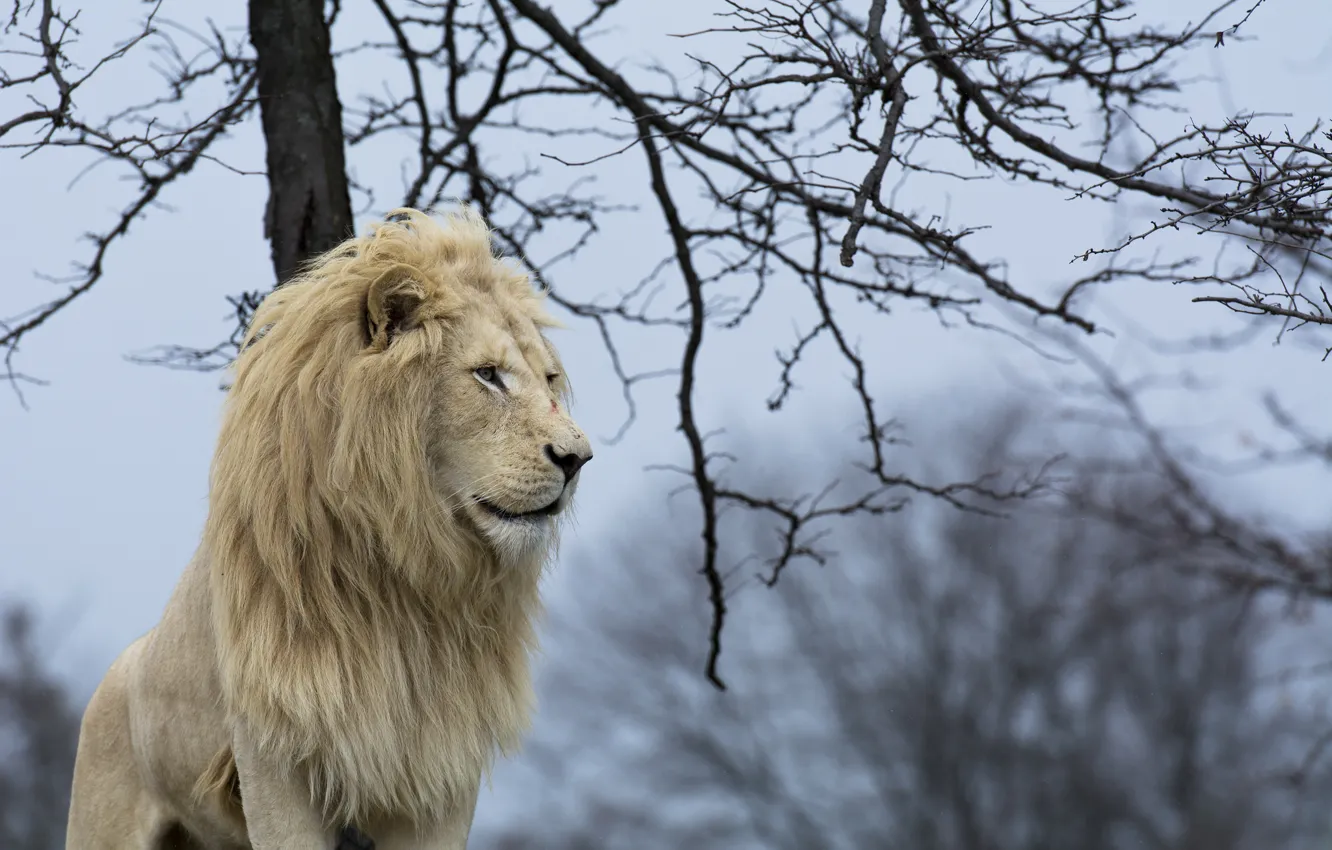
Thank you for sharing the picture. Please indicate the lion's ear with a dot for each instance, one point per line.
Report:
(392, 305)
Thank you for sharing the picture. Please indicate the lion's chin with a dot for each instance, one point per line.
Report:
(519, 540)
(518, 536)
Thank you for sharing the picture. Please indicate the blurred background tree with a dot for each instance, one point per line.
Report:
(1044, 680)
(39, 728)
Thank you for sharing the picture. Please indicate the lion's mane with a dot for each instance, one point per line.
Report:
(364, 635)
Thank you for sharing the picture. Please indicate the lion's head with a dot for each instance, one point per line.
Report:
(403, 382)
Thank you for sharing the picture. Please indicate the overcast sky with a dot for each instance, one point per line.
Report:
(103, 478)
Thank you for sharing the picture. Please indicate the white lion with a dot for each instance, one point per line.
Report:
(349, 647)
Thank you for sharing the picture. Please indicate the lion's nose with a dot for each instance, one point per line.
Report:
(570, 463)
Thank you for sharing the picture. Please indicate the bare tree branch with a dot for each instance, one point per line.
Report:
(141, 139)
(801, 164)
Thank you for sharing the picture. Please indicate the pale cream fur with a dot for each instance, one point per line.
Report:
(357, 620)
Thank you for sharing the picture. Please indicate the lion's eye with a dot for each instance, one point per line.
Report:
(490, 375)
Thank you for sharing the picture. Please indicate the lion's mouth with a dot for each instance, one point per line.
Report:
(512, 516)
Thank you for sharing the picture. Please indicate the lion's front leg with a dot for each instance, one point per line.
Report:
(110, 805)
(279, 814)
(448, 833)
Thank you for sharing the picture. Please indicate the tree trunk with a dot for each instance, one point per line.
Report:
(309, 207)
